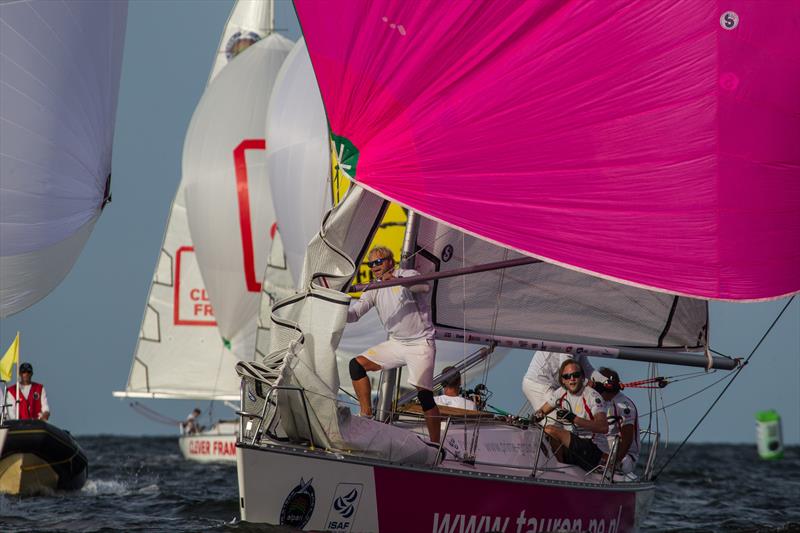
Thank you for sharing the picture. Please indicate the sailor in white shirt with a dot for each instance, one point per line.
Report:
(623, 420)
(583, 409)
(542, 378)
(451, 396)
(405, 314)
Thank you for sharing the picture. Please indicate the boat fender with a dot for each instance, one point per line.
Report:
(356, 370)
(426, 399)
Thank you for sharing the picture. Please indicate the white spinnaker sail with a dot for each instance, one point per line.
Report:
(298, 158)
(298, 161)
(179, 353)
(227, 188)
(59, 80)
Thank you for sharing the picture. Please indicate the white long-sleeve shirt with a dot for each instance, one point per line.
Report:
(544, 367)
(406, 315)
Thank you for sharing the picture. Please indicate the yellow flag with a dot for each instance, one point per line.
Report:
(8, 360)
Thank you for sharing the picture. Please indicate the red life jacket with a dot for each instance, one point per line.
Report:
(30, 407)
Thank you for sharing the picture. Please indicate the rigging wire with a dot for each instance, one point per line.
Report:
(155, 416)
(735, 375)
(692, 395)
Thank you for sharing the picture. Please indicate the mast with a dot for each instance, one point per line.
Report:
(389, 377)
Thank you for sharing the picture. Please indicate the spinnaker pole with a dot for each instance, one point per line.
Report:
(413, 280)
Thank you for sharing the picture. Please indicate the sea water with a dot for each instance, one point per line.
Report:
(143, 484)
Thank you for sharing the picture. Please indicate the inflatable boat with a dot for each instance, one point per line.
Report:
(37, 457)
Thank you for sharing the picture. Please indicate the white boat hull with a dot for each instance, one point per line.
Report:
(216, 445)
(316, 490)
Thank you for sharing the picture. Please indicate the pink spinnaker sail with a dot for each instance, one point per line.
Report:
(655, 143)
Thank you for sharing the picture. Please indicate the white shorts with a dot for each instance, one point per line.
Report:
(417, 355)
(536, 393)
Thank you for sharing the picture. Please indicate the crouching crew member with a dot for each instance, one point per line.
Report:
(451, 391)
(405, 314)
(623, 421)
(583, 409)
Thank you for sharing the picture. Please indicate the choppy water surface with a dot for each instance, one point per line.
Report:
(143, 484)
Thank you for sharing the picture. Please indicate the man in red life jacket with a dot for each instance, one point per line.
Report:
(26, 399)
(583, 409)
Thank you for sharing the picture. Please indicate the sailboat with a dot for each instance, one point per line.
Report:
(180, 353)
(304, 186)
(59, 82)
(639, 171)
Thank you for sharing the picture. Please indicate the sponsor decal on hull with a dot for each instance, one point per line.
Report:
(214, 448)
(482, 506)
(344, 507)
(298, 505)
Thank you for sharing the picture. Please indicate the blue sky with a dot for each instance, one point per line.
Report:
(82, 336)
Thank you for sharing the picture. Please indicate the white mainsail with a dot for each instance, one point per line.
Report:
(59, 81)
(179, 352)
(545, 301)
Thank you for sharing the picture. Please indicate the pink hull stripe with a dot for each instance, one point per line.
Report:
(420, 502)
(656, 143)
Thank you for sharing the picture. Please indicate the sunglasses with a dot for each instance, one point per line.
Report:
(377, 262)
(575, 375)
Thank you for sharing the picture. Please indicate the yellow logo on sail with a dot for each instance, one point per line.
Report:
(344, 160)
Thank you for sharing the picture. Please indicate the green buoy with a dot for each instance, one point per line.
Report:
(768, 434)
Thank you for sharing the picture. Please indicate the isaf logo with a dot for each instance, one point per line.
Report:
(344, 507)
(344, 504)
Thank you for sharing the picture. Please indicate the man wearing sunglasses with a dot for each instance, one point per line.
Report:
(581, 409)
(406, 316)
(542, 377)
